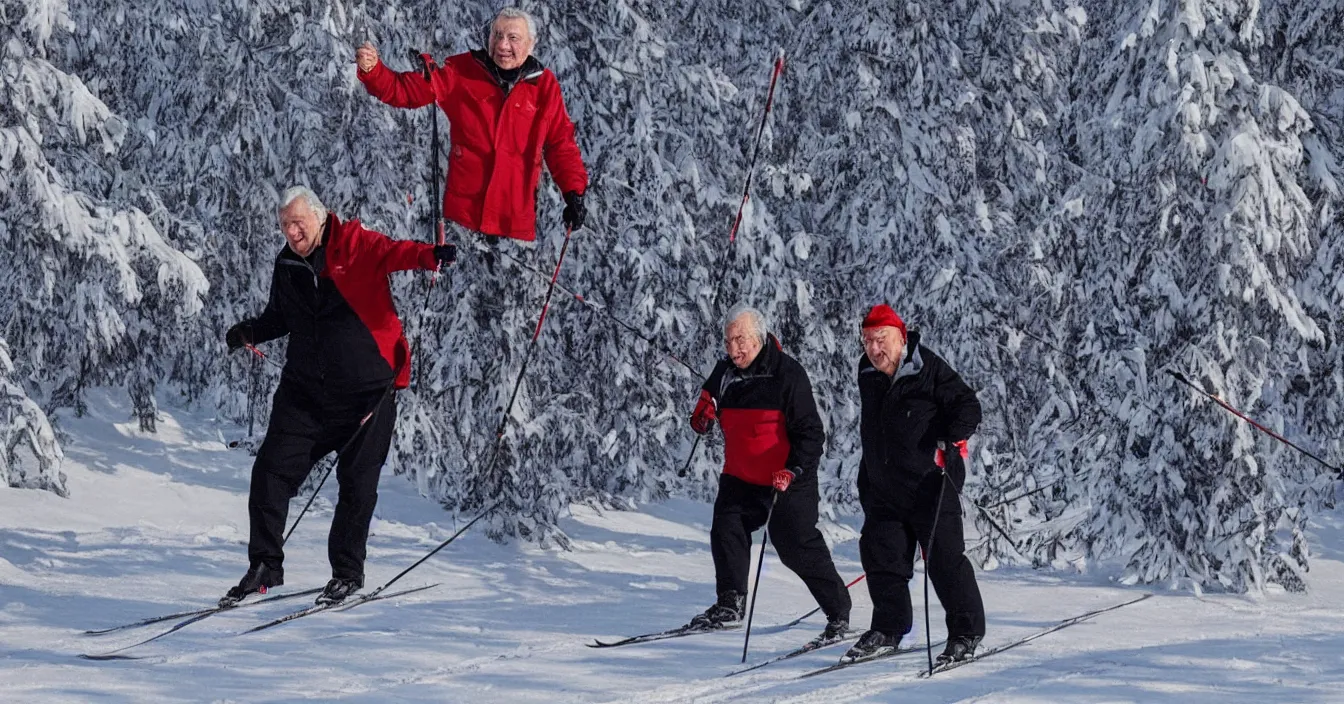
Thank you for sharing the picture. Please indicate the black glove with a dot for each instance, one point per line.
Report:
(574, 212)
(238, 335)
(445, 253)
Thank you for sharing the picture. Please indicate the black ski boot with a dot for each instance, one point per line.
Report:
(338, 589)
(727, 611)
(836, 630)
(873, 644)
(258, 580)
(958, 648)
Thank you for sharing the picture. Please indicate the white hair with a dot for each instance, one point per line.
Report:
(515, 13)
(294, 193)
(755, 319)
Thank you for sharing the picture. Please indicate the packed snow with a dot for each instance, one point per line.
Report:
(157, 524)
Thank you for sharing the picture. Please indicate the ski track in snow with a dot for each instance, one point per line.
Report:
(159, 524)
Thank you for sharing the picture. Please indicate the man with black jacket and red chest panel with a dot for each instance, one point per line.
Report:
(917, 415)
(773, 440)
(505, 114)
(346, 355)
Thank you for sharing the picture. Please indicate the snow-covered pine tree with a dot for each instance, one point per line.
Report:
(30, 456)
(1303, 54)
(80, 264)
(1191, 269)
(1008, 174)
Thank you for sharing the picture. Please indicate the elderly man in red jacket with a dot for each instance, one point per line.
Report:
(346, 355)
(506, 113)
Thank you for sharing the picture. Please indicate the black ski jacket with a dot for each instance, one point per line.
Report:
(904, 417)
(768, 415)
(336, 307)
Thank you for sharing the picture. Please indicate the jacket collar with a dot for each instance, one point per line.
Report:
(765, 364)
(530, 71)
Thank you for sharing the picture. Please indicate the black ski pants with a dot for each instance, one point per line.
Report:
(887, 548)
(307, 424)
(741, 508)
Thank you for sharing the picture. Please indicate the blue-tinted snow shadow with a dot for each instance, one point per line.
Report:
(189, 445)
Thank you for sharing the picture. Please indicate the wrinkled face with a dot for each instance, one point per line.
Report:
(510, 42)
(884, 346)
(742, 342)
(301, 226)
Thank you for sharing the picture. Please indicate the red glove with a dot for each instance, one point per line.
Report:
(962, 449)
(782, 478)
(705, 413)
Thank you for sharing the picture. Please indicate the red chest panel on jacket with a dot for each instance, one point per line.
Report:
(755, 443)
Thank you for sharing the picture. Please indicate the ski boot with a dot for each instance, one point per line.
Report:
(258, 580)
(338, 589)
(727, 611)
(873, 644)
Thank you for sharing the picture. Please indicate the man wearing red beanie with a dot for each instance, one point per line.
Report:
(914, 406)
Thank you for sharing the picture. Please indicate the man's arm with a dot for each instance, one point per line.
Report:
(271, 323)
(390, 255)
(807, 435)
(956, 403)
(561, 150)
(403, 90)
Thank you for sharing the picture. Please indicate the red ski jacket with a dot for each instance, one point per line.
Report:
(337, 309)
(499, 135)
(768, 415)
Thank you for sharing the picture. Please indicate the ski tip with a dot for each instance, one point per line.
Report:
(104, 657)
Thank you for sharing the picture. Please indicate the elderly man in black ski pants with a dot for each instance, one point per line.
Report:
(917, 415)
(773, 440)
(346, 356)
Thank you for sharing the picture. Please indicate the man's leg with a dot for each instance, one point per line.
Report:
(952, 575)
(886, 547)
(284, 459)
(357, 472)
(801, 547)
(738, 510)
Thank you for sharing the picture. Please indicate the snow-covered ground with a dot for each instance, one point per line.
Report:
(158, 524)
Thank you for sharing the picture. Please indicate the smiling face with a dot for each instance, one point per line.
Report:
(301, 227)
(884, 346)
(510, 42)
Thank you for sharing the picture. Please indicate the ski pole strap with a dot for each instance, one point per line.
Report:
(1181, 378)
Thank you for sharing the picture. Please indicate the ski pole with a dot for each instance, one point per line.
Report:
(604, 312)
(807, 615)
(252, 397)
(928, 553)
(527, 357)
(760, 563)
(751, 171)
(435, 551)
(436, 202)
(1181, 378)
(737, 221)
(985, 513)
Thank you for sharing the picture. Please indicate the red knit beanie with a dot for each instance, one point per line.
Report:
(883, 316)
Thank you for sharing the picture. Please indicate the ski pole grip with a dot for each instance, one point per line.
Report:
(423, 59)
